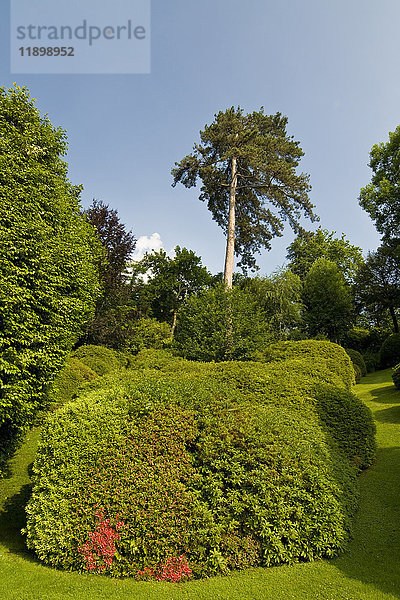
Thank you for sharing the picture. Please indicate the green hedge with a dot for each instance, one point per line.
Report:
(219, 325)
(357, 359)
(49, 258)
(357, 373)
(396, 376)
(233, 464)
(69, 380)
(334, 355)
(100, 359)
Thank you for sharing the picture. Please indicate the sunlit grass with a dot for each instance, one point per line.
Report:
(370, 569)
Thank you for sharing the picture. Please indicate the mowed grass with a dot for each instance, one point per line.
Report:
(369, 570)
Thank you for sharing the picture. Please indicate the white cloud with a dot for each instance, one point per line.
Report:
(147, 243)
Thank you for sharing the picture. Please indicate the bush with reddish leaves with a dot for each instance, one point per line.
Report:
(99, 550)
(176, 569)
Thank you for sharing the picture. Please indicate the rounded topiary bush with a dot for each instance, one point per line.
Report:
(308, 384)
(72, 376)
(105, 458)
(390, 351)
(357, 373)
(334, 355)
(396, 376)
(349, 422)
(211, 461)
(100, 359)
(357, 359)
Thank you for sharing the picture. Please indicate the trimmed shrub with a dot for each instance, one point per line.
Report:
(230, 464)
(390, 351)
(100, 359)
(357, 373)
(396, 376)
(350, 423)
(357, 359)
(334, 355)
(70, 379)
(125, 460)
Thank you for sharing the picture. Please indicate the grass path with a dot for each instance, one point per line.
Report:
(370, 570)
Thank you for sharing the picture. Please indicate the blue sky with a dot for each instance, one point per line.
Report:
(331, 66)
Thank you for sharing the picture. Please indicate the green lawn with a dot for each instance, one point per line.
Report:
(369, 570)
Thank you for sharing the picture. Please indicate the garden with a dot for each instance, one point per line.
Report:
(169, 433)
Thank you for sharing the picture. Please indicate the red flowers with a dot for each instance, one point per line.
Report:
(99, 551)
(175, 569)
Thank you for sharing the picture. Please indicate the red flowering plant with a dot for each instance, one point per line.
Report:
(175, 569)
(99, 550)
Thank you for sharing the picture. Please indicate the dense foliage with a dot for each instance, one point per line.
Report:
(364, 340)
(83, 366)
(230, 464)
(101, 360)
(220, 324)
(110, 326)
(279, 296)
(148, 333)
(167, 284)
(390, 351)
(328, 301)
(381, 198)
(372, 361)
(309, 246)
(377, 285)
(70, 379)
(48, 257)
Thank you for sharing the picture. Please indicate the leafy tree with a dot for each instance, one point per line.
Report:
(381, 197)
(170, 281)
(377, 286)
(327, 299)
(118, 243)
(113, 316)
(311, 245)
(48, 259)
(220, 324)
(247, 166)
(279, 296)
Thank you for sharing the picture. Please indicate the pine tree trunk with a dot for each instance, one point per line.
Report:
(394, 319)
(230, 244)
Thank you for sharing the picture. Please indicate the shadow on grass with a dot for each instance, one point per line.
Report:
(386, 395)
(388, 415)
(12, 520)
(373, 555)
